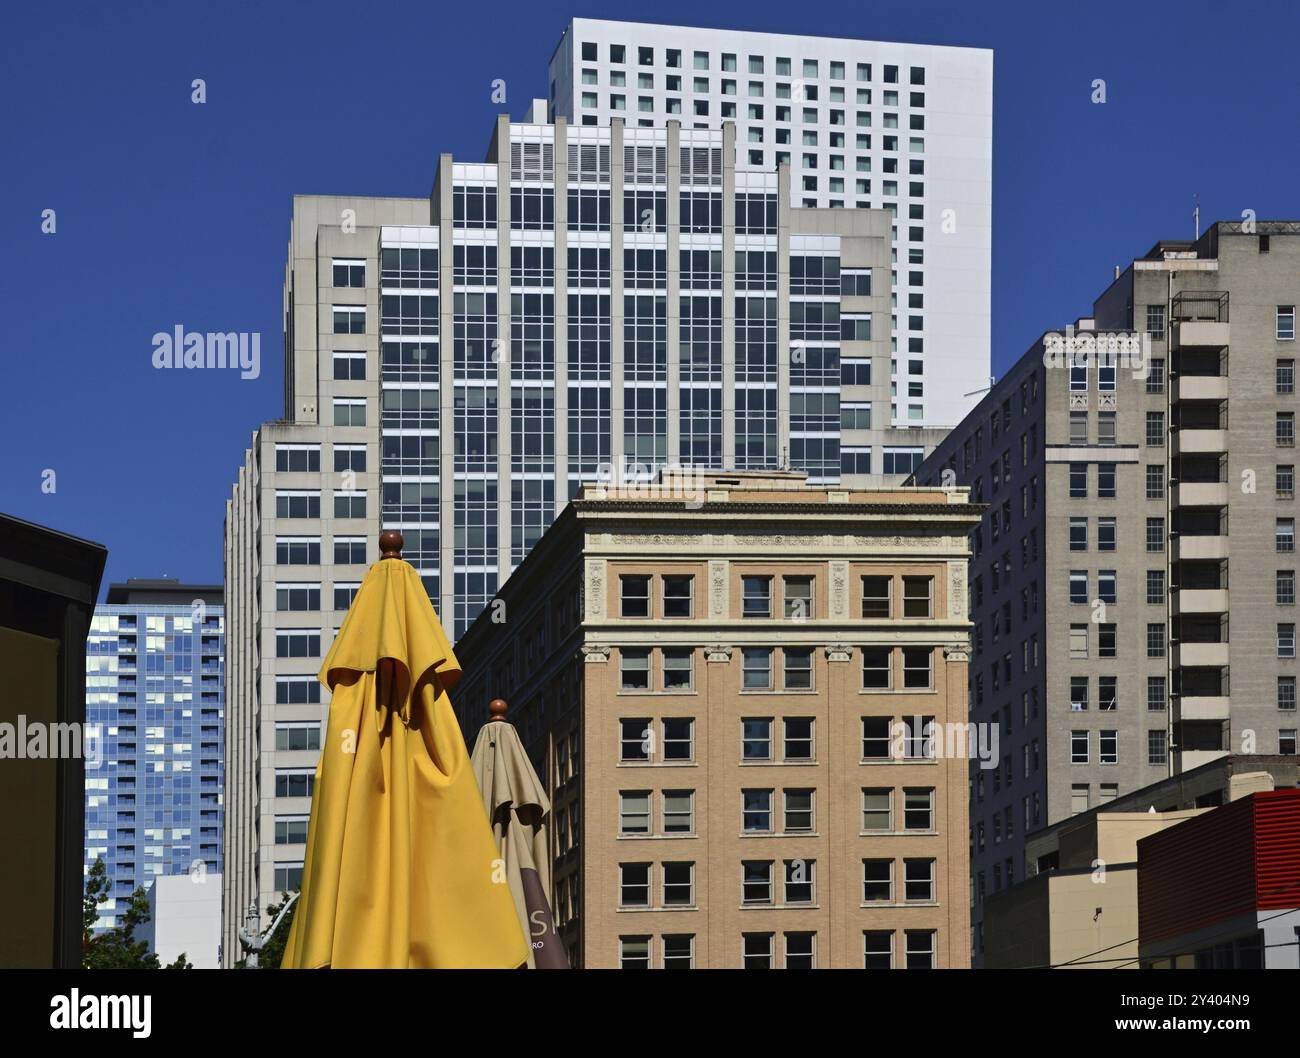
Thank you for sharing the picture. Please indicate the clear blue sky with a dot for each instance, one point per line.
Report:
(172, 213)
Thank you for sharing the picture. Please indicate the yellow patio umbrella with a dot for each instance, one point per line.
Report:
(520, 812)
(401, 868)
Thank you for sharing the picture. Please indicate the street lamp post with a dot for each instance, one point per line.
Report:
(250, 936)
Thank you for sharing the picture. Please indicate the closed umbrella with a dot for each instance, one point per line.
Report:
(401, 868)
(520, 812)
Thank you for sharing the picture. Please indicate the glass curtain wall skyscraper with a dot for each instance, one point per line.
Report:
(155, 696)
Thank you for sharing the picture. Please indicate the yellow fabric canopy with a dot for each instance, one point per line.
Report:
(401, 867)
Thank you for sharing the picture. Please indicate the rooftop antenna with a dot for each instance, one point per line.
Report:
(992, 379)
(1197, 214)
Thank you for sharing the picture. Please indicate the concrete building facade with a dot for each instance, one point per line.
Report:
(588, 304)
(155, 693)
(1122, 493)
(862, 124)
(728, 684)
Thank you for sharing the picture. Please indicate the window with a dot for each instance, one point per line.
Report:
(634, 812)
(294, 458)
(1284, 534)
(757, 669)
(1108, 747)
(678, 595)
(757, 596)
(1079, 641)
(634, 885)
(349, 411)
(1157, 747)
(349, 319)
(918, 596)
(1284, 376)
(756, 739)
(876, 740)
(798, 810)
(297, 597)
(1155, 586)
(1156, 322)
(917, 666)
(918, 737)
(875, 596)
(1079, 534)
(799, 598)
(800, 951)
(1284, 429)
(876, 668)
(1286, 692)
(1078, 694)
(797, 739)
(1155, 535)
(756, 810)
(1286, 323)
(1078, 747)
(635, 669)
(1106, 481)
(877, 881)
(877, 948)
(678, 668)
(918, 809)
(1155, 481)
(679, 951)
(758, 946)
(1108, 692)
(877, 809)
(1156, 694)
(798, 668)
(1286, 742)
(1284, 482)
(1105, 534)
(756, 882)
(1106, 585)
(635, 595)
(1155, 436)
(679, 739)
(635, 740)
(1156, 376)
(1286, 640)
(634, 953)
(1079, 586)
(918, 881)
(1285, 587)
(679, 884)
(1078, 480)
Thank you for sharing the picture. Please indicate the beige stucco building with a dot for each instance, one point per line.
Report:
(725, 678)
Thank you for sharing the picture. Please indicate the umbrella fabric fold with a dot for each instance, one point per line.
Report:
(520, 812)
(401, 868)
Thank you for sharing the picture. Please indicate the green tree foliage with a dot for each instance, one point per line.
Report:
(117, 949)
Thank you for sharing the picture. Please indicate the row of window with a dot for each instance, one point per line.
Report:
(676, 951)
(676, 594)
(672, 740)
(669, 885)
(672, 669)
(913, 813)
(782, 66)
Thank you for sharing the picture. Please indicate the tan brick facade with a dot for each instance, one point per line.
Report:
(740, 838)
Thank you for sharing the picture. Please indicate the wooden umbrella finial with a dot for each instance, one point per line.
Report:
(497, 709)
(390, 544)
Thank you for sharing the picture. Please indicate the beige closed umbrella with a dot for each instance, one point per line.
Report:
(520, 813)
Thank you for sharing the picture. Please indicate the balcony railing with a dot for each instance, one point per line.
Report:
(1203, 306)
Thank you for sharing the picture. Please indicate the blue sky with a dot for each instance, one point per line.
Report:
(168, 212)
